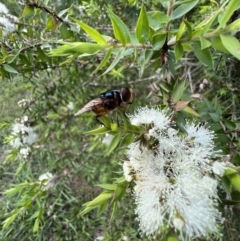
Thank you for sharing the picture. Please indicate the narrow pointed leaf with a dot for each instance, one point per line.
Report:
(105, 120)
(104, 60)
(231, 44)
(111, 187)
(102, 208)
(128, 139)
(231, 7)
(119, 55)
(119, 193)
(204, 55)
(158, 40)
(234, 26)
(121, 31)
(235, 181)
(204, 42)
(100, 130)
(102, 198)
(190, 111)
(178, 50)
(114, 143)
(183, 9)
(10, 69)
(178, 92)
(77, 47)
(218, 45)
(93, 33)
(181, 30)
(142, 28)
(189, 29)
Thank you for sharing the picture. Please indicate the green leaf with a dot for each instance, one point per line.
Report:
(10, 69)
(231, 7)
(77, 47)
(181, 30)
(104, 60)
(65, 33)
(142, 28)
(119, 193)
(210, 22)
(119, 55)
(234, 26)
(217, 44)
(128, 139)
(62, 12)
(93, 33)
(231, 44)
(36, 225)
(9, 220)
(183, 9)
(235, 181)
(229, 124)
(156, 19)
(178, 50)
(105, 120)
(144, 58)
(114, 204)
(204, 55)
(121, 32)
(114, 126)
(111, 187)
(230, 171)
(100, 130)
(189, 29)
(204, 42)
(178, 91)
(158, 40)
(223, 138)
(28, 11)
(190, 111)
(10, 58)
(229, 202)
(88, 209)
(114, 143)
(50, 24)
(4, 51)
(236, 158)
(102, 208)
(215, 117)
(102, 198)
(226, 184)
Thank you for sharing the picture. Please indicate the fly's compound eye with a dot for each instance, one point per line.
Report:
(127, 95)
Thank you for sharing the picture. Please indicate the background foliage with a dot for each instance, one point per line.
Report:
(37, 66)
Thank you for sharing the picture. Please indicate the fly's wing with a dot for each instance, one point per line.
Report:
(91, 106)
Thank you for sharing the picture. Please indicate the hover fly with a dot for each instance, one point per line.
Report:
(108, 101)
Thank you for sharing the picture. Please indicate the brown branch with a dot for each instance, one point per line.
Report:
(51, 12)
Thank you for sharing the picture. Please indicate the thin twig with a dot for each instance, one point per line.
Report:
(51, 12)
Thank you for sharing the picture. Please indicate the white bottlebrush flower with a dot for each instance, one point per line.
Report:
(150, 116)
(128, 171)
(47, 180)
(24, 103)
(23, 134)
(6, 25)
(218, 168)
(3, 8)
(25, 152)
(174, 187)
